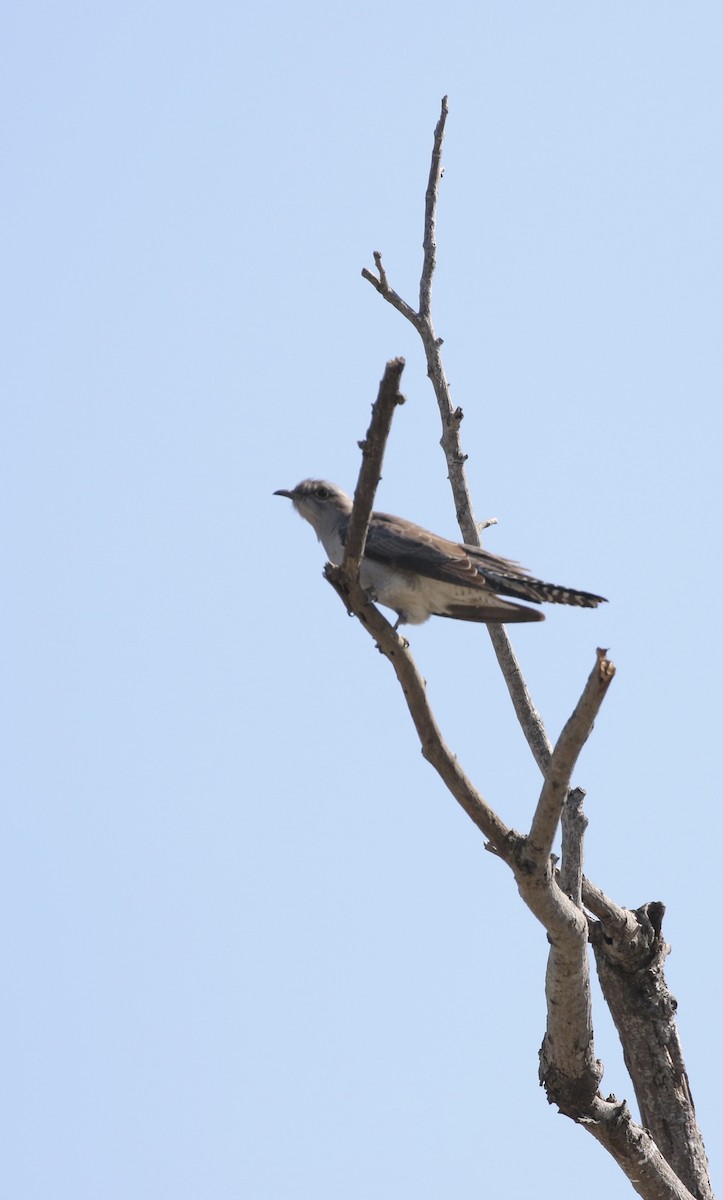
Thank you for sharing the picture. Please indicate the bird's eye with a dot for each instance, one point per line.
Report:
(321, 493)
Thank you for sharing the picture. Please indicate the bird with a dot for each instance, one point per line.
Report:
(418, 574)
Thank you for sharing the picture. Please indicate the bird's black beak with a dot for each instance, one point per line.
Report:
(284, 492)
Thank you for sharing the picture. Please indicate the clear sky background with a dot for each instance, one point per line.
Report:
(252, 949)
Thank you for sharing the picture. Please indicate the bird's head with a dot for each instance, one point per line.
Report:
(320, 503)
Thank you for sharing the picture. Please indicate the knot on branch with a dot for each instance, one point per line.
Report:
(575, 1094)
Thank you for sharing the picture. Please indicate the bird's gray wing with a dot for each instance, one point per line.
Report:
(412, 548)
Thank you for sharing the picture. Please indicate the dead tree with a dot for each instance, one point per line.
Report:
(664, 1157)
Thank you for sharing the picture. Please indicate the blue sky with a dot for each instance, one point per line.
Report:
(251, 947)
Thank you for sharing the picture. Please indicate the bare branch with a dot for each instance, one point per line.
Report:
(565, 755)
(372, 449)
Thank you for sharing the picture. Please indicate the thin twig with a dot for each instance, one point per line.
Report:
(430, 216)
(382, 286)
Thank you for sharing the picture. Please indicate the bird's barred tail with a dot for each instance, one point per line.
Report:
(554, 594)
(538, 591)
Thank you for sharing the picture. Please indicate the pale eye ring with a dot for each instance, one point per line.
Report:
(321, 493)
